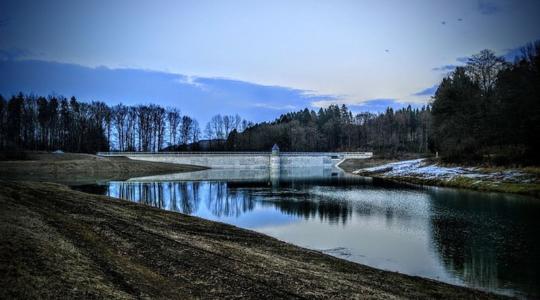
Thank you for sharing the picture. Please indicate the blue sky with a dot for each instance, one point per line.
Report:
(256, 58)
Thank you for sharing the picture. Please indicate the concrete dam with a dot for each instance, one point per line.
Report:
(274, 160)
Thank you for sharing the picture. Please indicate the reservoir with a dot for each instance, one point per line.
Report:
(487, 241)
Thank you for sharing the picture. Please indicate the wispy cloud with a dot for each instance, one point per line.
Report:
(190, 80)
(445, 68)
(325, 102)
(381, 105)
(377, 105)
(430, 91)
(287, 107)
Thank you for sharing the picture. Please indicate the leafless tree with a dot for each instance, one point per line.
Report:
(174, 118)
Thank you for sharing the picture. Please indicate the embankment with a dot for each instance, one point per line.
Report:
(59, 243)
(524, 181)
(80, 168)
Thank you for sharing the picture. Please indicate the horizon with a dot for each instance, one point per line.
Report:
(257, 59)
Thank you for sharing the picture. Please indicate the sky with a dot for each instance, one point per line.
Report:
(255, 58)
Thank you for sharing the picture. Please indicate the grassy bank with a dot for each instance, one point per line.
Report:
(525, 181)
(59, 243)
(80, 168)
(530, 189)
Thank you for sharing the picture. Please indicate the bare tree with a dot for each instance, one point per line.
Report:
(158, 124)
(218, 127)
(185, 129)
(228, 125)
(195, 131)
(209, 131)
(174, 118)
(483, 69)
(119, 117)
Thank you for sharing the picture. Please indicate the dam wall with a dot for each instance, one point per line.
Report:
(246, 160)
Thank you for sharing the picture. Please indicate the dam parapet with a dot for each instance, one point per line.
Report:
(274, 160)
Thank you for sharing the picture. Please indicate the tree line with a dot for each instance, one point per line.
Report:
(39, 123)
(52, 123)
(336, 129)
(56, 123)
(488, 109)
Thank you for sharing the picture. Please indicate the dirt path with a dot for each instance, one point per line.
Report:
(59, 243)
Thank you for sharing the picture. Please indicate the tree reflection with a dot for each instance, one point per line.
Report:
(485, 242)
(225, 202)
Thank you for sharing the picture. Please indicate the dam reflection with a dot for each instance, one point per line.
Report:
(482, 240)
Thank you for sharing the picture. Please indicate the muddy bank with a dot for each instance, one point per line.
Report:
(351, 165)
(524, 181)
(81, 168)
(59, 243)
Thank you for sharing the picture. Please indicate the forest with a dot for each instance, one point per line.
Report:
(31, 122)
(485, 111)
(489, 110)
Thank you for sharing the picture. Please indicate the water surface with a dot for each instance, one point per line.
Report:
(482, 240)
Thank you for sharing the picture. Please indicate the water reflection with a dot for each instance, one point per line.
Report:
(488, 242)
(482, 240)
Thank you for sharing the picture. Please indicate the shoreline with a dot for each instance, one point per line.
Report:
(60, 242)
(524, 181)
(78, 168)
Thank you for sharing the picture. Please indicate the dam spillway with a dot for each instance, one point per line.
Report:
(246, 160)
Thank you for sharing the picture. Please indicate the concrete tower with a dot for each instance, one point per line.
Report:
(275, 164)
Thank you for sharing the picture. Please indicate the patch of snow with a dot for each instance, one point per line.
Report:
(419, 168)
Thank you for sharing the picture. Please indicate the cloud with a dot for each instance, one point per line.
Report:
(510, 55)
(430, 91)
(463, 59)
(445, 68)
(380, 105)
(288, 107)
(487, 7)
(190, 80)
(323, 103)
(13, 53)
(200, 97)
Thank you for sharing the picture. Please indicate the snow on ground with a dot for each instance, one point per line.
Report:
(421, 168)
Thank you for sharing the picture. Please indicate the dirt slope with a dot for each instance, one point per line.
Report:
(59, 243)
(78, 168)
